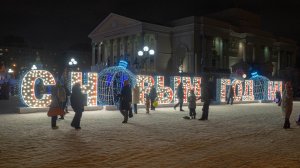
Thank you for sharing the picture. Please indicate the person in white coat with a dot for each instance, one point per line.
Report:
(135, 97)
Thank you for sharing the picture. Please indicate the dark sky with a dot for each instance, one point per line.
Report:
(59, 24)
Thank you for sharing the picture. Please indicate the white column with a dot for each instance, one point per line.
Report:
(99, 53)
(93, 54)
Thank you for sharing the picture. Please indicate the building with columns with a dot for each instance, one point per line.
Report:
(224, 42)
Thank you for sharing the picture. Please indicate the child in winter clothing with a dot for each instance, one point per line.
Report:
(192, 104)
(147, 103)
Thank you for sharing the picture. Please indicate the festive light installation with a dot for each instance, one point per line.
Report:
(144, 82)
(165, 94)
(175, 81)
(103, 89)
(88, 86)
(260, 87)
(273, 87)
(248, 91)
(28, 88)
(197, 86)
(237, 89)
(221, 89)
(187, 86)
(110, 83)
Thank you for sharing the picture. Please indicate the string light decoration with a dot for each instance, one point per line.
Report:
(237, 89)
(165, 94)
(273, 87)
(221, 89)
(197, 86)
(175, 80)
(144, 82)
(248, 91)
(27, 87)
(110, 83)
(260, 87)
(88, 86)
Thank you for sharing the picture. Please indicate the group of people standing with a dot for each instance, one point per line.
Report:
(59, 96)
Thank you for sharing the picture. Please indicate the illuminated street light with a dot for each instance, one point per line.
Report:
(146, 52)
(10, 71)
(33, 67)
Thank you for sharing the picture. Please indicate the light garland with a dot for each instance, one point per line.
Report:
(237, 90)
(273, 87)
(90, 88)
(102, 89)
(28, 88)
(248, 91)
(165, 94)
(221, 89)
(144, 82)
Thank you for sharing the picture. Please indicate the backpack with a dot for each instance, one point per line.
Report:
(61, 94)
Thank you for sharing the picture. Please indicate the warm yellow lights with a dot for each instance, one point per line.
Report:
(28, 88)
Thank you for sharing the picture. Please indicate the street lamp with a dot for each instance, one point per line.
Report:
(72, 62)
(10, 71)
(33, 67)
(147, 52)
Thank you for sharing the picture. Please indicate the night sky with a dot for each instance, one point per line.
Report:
(59, 24)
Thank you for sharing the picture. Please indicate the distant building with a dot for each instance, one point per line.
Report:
(226, 42)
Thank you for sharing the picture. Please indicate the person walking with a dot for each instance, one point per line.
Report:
(135, 97)
(125, 100)
(61, 94)
(54, 105)
(205, 97)
(192, 104)
(77, 103)
(287, 104)
(152, 96)
(230, 95)
(180, 97)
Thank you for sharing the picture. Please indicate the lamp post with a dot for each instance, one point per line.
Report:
(146, 53)
(72, 63)
(33, 67)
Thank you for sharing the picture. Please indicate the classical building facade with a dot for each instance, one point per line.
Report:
(226, 42)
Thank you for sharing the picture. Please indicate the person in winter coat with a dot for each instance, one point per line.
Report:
(192, 104)
(205, 97)
(54, 104)
(77, 103)
(230, 95)
(180, 97)
(135, 98)
(125, 100)
(152, 96)
(287, 104)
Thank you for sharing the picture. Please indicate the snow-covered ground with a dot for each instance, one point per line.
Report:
(243, 135)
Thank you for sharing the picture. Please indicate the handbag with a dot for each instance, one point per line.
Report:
(55, 111)
(155, 103)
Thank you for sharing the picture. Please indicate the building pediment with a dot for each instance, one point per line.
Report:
(114, 23)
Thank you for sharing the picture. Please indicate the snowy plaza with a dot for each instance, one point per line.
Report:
(239, 135)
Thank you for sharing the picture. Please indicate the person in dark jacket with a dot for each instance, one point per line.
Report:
(125, 100)
(152, 96)
(180, 97)
(205, 97)
(77, 103)
(230, 95)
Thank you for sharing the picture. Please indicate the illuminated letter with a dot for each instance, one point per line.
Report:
(145, 83)
(274, 86)
(197, 86)
(221, 89)
(175, 80)
(248, 91)
(237, 85)
(28, 86)
(90, 88)
(165, 94)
